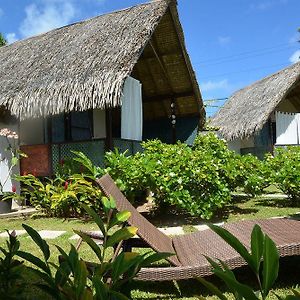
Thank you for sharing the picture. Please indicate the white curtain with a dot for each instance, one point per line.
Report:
(287, 128)
(132, 110)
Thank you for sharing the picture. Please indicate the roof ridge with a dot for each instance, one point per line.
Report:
(91, 18)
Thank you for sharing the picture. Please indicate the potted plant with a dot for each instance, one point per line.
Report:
(11, 160)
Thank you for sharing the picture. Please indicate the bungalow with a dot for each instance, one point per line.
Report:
(110, 81)
(264, 115)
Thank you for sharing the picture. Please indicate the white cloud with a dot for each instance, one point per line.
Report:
(265, 5)
(224, 40)
(46, 16)
(11, 37)
(295, 57)
(214, 85)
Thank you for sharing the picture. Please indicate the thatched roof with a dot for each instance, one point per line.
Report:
(245, 113)
(84, 65)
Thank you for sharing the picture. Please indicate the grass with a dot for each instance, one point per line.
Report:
(240, 208)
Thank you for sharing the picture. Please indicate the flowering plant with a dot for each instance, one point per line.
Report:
(12, 158)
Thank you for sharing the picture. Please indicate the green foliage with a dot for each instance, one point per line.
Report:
(197, 179)
(60, 196)
(3, 41)
(73, 279)
(285, 170)
(263, 259)
(11, 270)
(175, 174)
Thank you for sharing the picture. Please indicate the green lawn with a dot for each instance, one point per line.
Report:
(241, 208)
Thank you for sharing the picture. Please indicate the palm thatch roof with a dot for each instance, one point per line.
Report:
(84, 65)
(247, 110)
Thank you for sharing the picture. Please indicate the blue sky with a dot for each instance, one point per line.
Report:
(231, 43)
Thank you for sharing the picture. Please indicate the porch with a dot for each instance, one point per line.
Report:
(44, 159)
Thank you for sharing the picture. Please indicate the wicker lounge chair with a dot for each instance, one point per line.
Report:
(188, 261)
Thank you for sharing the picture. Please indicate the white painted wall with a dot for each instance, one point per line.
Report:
(5, 159)
(32, 132)
(99, 123)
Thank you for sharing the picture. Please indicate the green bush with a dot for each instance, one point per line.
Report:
(285, 168)
(60, 197)
(197, 179)
(176, 175)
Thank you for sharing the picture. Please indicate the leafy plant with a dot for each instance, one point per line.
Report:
(73, 279)
(11, 270)
(263, 259)
(285, 167)
(176, 175)
(59, 196)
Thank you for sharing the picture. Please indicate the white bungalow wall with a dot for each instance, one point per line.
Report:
(5, 159)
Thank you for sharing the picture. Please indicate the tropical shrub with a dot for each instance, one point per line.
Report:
(60, 196)
(263, 260)
(175, 174)
(285, 168)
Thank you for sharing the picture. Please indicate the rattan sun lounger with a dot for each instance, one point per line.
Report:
(188, 260)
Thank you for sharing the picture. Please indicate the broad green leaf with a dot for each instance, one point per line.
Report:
(257, 246)
(95, 217)
(217, 267)
(241, 289)
(121, 235)
(80, 278)
(124, 262)
(154, 258)
(270, 265)
(34, 260)
(38, 240)
(120, 218)
(112, 202)
(62, 274)
(212, 288)
(106, 204)
(235, 244)
(87, 294)
(91, 243)
(101, 289)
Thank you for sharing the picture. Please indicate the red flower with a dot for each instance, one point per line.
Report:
(25, 173)
(66, 185)
(14, 188)
(62, 162)
(81, 168)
